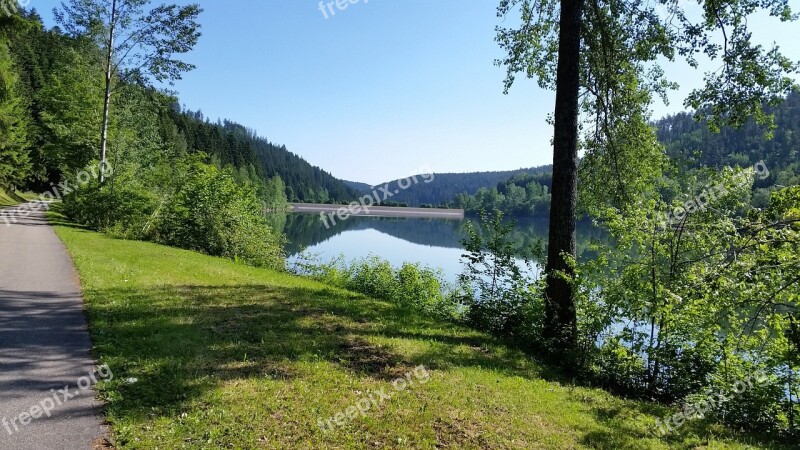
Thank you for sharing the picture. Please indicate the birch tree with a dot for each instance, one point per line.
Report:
(139, 44)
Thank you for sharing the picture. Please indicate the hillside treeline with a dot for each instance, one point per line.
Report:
(50, 116)
(691, 147)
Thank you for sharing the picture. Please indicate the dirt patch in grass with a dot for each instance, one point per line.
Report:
(460, 434)
(101, 443)
(376, 361)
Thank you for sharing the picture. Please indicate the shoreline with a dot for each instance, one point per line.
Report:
(380, 211)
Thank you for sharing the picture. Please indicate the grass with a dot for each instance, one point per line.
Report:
(210, 354)
(11, 198)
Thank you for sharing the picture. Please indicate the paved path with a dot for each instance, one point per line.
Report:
(44, 343)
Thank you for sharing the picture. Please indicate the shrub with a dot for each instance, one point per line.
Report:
(500, 297)
(121, 210)
(210, 213)
(411, 286)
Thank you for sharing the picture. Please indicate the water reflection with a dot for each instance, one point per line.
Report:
(306, 231)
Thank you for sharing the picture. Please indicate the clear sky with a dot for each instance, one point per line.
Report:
(383, 88)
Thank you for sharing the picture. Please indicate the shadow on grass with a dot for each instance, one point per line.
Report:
(55, 217)
(182, 342)
(179, 342)
(14, 197)
(621, 429)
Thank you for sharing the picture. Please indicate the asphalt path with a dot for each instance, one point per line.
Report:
(44, 343)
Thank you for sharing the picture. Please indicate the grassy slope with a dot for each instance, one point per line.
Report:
(227, 356)
(11, 198)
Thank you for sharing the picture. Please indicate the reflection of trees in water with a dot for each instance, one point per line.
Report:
(278, 221)
(307, 230)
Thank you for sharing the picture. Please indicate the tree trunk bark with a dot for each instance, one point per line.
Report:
(560, 313)
(107, 98)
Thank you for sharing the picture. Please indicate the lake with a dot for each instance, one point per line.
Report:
(432, 242)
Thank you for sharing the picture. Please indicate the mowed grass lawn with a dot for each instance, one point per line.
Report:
(210, 354)
(10, 198)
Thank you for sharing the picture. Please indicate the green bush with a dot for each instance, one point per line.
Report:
(373, 277)
(501, 297)
(411, 285)
(210, 213)
(421, 287)
(121, 210)
(750, 401)
(207, 212)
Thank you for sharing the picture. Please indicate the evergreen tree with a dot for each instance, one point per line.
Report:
(15, 164)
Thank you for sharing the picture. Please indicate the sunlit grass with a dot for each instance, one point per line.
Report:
(210, 354)
(10, 198)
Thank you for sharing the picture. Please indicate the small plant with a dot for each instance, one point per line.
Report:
(501, 296)
(412, 285)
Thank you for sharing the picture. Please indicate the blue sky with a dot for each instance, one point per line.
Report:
(383, 88)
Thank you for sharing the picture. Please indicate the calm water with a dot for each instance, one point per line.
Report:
(432, 242)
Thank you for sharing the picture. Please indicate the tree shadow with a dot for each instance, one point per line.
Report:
(41, 334)
(621, 430)
(180, 342)
(169, 346)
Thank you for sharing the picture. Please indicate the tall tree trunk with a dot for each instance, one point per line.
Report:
(561, 316)
(107, 98)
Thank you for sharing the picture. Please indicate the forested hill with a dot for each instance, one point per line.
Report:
(690, 143)
(445, 186)
(362, 188)
(51, 99)
(691, 146)
(231, 143)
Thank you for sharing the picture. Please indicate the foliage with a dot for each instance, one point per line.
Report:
(443, 187)
(71, 105)
(118, 209)
(153, 159)
(691, 149)
(622, 42)
(410, 285)
(60, 99)
(602, 59)
(523, 195)
(15, 163)
(137, 46)
(231, 144)
(207, 212)
(692, 305)
(212, 214)
(501, 296)
(140, 45)
(691, 145)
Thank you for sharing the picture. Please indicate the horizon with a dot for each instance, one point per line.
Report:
(435, 101)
